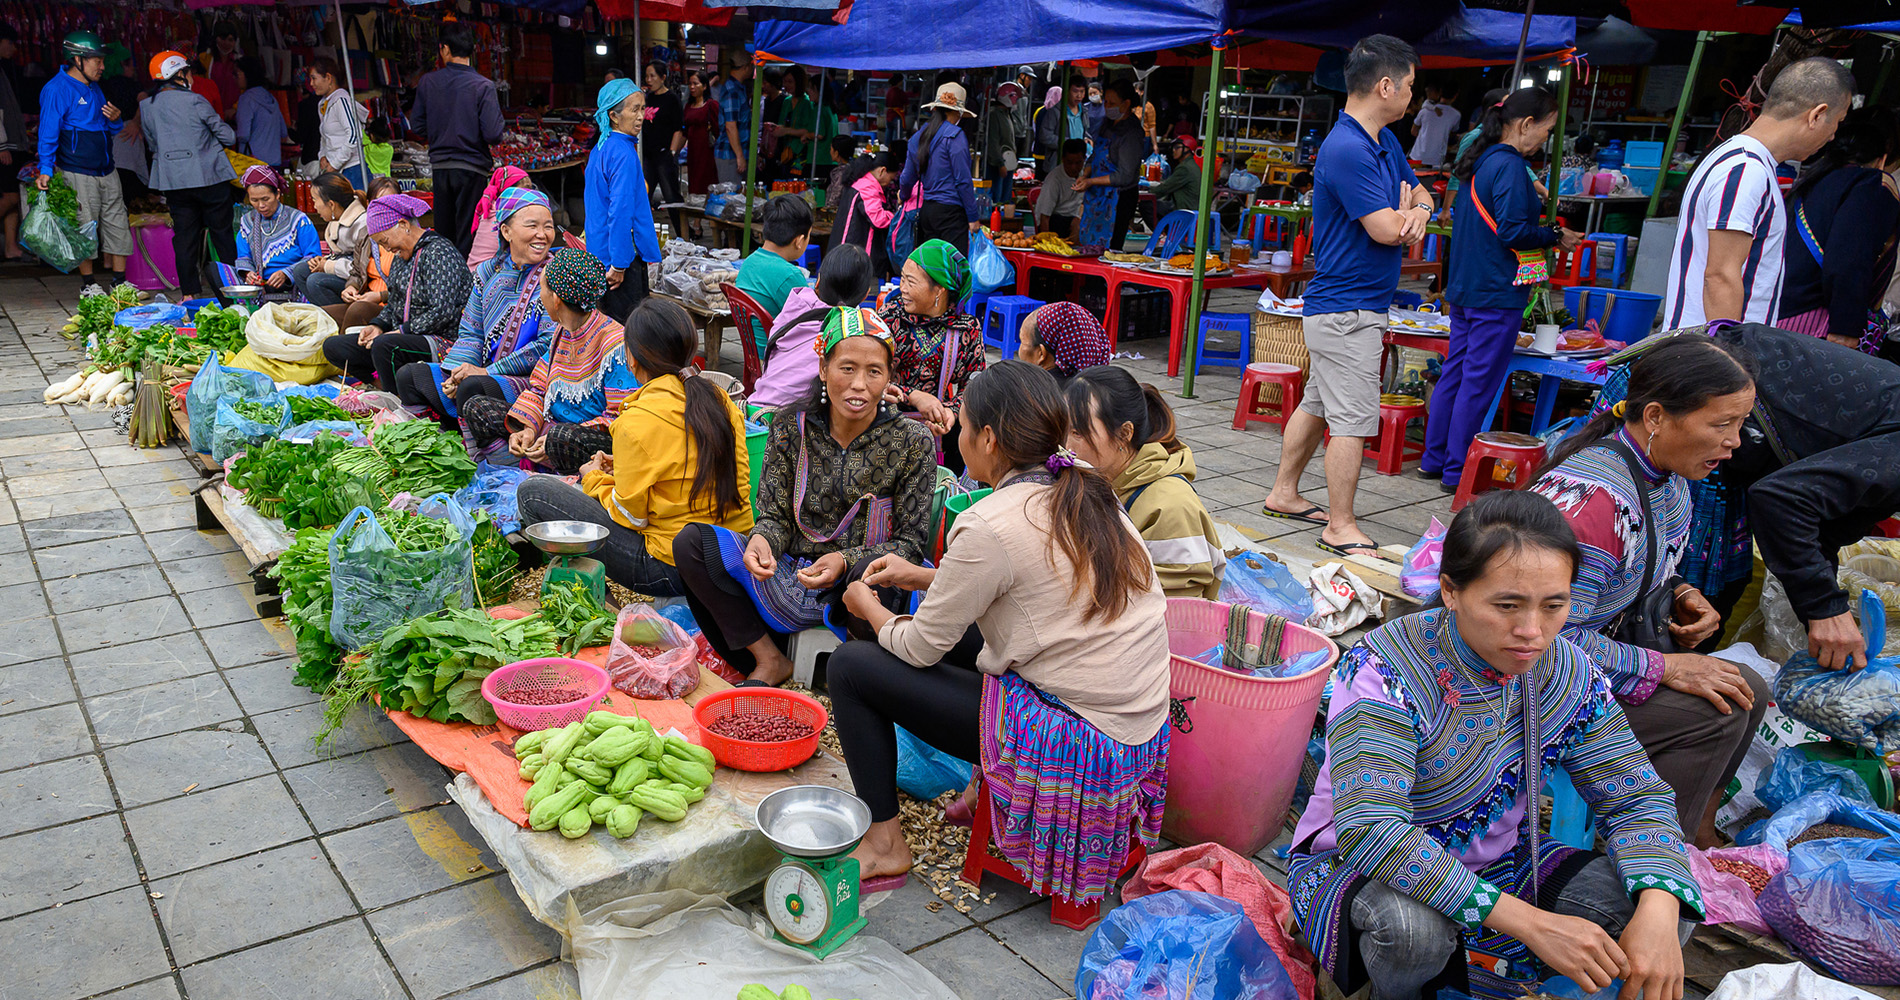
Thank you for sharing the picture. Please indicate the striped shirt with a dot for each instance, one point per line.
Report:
(1734, 189)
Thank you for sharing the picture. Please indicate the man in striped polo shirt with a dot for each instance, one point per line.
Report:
(1727, 259)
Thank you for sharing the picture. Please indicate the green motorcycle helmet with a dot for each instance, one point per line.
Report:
(81, 45)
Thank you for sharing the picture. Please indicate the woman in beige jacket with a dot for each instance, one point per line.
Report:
(1040, 650)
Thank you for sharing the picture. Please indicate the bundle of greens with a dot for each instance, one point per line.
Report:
(262, 411)
(303, 578)
(222, 329)
(434, 666)
(365, 479)
(64, 201)
(496, 564)
(423, 458)
(286, 479)
(304, 409)
(126, 348)
(95, 313)
(579, 619)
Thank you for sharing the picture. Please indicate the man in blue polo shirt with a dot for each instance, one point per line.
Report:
(1367, 205)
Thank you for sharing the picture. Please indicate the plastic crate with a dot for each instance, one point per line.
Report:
(1642, 154)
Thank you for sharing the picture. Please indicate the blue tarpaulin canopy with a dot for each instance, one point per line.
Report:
(1884, 27)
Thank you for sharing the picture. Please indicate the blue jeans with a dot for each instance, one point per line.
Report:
(1480, 353)
(357, 175)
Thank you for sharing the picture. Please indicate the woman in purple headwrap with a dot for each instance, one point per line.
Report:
(428, 289)
(272, 239)
(1063, 338)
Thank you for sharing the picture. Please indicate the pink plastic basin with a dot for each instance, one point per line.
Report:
(1231, 776)
(152, 267)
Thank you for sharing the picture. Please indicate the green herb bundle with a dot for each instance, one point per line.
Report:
(291, 480)
(304, 409)
(271, 413)
(302, 573)
(579, 619)
(124, 347)
(496, 564)
(423, 458)
(434, 666)
(222, 329)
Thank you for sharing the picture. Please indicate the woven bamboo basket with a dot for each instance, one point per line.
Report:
(1279, 339)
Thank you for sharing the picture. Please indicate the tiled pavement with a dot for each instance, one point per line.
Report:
(166, 829)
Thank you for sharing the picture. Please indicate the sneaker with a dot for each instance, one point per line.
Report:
(92, 288)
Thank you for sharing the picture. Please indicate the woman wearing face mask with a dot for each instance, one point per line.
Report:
(846, 480)
(1499, 247)
(504, 328)
(1421, 842)
(938, 345)
(619, 217)
(1180, 190)
(1110, 191)
(1622, 481)
(428, 287)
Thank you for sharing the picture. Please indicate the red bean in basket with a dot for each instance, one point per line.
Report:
(542, 696)
(761, 728)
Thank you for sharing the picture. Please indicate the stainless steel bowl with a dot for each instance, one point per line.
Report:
(242, 292)
(813, 821)
(563, 538)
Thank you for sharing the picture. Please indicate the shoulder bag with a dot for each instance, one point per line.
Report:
(1645, 622)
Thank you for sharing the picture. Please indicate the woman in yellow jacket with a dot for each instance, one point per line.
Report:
(679, 457)
(1126, 431)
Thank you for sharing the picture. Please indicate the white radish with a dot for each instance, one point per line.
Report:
(59, 389)
(105, 386)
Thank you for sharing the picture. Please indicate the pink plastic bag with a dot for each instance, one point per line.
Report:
(1418, 575)
(651, 657)
(1725, 897)
(1214, 869)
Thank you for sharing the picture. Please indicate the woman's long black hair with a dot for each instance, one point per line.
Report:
(1534, 103)
(1110, 394)
(844, 279)
(662, 340)
(1866, 135)
(1504, 521)
(1682, 374)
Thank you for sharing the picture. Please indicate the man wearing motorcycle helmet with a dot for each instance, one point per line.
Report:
(77, 124)
(187, 138)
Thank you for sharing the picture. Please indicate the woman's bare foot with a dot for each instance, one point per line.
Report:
(770, 665)
(883, 851)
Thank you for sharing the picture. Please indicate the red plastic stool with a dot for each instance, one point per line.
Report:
(1249, 406)
(977, 859)
(1487, 450)
(1393, 449)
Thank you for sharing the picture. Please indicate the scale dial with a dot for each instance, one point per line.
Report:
(798, 902)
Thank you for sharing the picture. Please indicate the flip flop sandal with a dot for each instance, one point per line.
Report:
(958, 814)
(1351, 548)
(750, 683)
(882, 883)
(1305, 515)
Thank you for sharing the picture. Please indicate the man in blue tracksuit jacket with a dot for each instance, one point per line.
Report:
(76, 129)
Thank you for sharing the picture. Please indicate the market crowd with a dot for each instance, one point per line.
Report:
(1574, 617)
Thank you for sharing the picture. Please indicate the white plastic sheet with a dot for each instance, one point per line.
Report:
(669, 945)
(1793, 981)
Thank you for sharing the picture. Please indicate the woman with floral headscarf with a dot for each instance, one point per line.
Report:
(428, 287)
(846, 480)
(1063, 338)
(488, 241)
(938, 346)
(272, 239)
(565, 412)
(504, 329)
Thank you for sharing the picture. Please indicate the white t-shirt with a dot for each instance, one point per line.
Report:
(1058, 195)
(1436, 122)
(1734, 189)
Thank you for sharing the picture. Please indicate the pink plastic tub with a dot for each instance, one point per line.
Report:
(152, 267)
(1231, 776)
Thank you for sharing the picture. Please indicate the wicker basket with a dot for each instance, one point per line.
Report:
(1279, 339)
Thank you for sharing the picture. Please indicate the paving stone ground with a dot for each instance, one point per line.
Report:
(166, 828)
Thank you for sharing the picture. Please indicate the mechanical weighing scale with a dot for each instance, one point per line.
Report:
(567, 543)
(812, 896)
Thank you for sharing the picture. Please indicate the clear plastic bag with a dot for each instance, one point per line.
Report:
(493, 490)
(215, 382)
(55, 241)
(1418, 575)
(375, 585)
(309, 429)
(988, 267)
(1874, 564)
(1839, 903)
(232, 432)
(651, 657)
(1861, 707)
(1726, 899)
(1252, 578)
(1183, 946)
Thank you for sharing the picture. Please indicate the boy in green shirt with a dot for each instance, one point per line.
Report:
(377, 151)
(769, 275)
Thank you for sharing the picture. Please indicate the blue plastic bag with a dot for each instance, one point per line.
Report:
(493, 490)
(1793, 775)
(309, 429)
(140, 317)
(925, 772)
(1838, 901)
(1791, 820)
(232, 432)
(1266, 585)
(212, 383)
(988, 267)
(1418, 574)
(1861, 707)
(1183, 946)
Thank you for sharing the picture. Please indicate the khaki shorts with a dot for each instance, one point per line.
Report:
(1344, 384)
(101, 199)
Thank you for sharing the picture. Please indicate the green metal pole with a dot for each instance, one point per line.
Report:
(1563, 117)
(752, 153)
(817, 130)
(1191, 337)
(1675, 126)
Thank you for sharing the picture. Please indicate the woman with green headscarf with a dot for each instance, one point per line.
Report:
(937, 346)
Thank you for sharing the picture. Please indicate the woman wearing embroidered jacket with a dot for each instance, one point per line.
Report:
(561, 418)
(937, 346)
(1622, 481)
(846, 479)
(485, 229)
(504, 328)
(428, 288)
(679, 456)
(1421, 840)
(272, 239)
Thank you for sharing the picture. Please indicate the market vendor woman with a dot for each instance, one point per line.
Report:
(428, 289)
(1421, 841)
(272, 239)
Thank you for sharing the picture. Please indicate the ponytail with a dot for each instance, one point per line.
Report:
(1681, 373)
(661, 340)
(1534, 103)
(1022, 404)
(1160, 419)
(1110, 395)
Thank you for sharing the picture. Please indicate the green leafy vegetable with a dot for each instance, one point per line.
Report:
(260, 411)
(222, 329)
(496, 564)
(304, 409)
(423, 458)
(303, 579)
(434, 666)
(291, 480)
(580, 620)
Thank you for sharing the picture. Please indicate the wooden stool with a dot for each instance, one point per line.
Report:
(1392, 449)
(1487, 450)
(977, 859)
(1289, 379)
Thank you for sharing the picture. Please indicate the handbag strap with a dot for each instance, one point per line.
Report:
(877, 530)
(1649, 519)
(1807, 233)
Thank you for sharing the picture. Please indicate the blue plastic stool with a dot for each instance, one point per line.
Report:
(1613, 276)
(978, 304)
(1003, 321)
(1240, 323)
(813, 254)
(1569, 814)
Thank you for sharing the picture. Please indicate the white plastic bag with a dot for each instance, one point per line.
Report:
(1793, 981)
(289, 331)
(1340, 599)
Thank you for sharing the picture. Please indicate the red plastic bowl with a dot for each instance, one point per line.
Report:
(751, 755)
(557, 673)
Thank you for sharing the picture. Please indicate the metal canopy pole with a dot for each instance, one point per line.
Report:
(1675, 126)
(1191, 337)
(349, 84)
(752, 156)
(1523, 38)
(817, 127)
(639, 80)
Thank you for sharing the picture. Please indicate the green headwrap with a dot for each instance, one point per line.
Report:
(946, 266)
(850, 321)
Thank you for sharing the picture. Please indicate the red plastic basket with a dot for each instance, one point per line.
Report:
(750, 755)
(551, 673)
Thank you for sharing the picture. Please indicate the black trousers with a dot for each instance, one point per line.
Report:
(196, 211)
(618, 303)
(378, 363)
(1124, 216)
(546, 498)
(457, 192)
(938, 221)
(662, 168)
(416, 387)
(873, 690)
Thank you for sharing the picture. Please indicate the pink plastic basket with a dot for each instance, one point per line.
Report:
(551, 673)
(1231, 775)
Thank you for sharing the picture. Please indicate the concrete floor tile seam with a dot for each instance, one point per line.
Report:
(325, 925)
(504, 977)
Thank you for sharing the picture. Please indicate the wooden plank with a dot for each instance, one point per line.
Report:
(211, 502)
